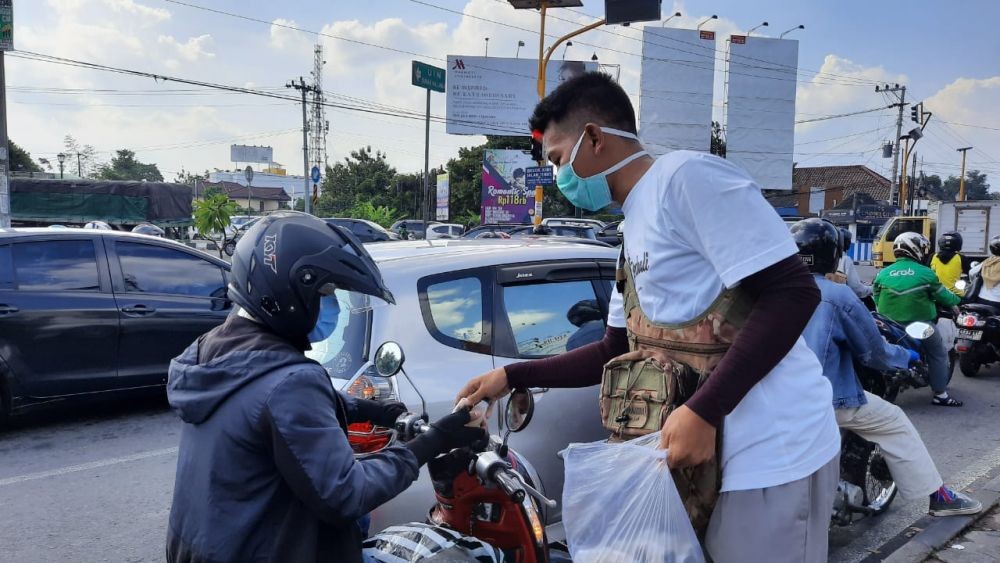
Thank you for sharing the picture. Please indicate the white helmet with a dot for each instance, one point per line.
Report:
(99, 225)
(912, 245)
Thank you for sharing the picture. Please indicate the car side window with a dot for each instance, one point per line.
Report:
(552, 318)
(56, 265)
(155, 269)
(6, 268)
(454, 312)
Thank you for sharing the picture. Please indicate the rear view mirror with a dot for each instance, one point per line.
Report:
(389, 359)
(520, 408)
(919, 331)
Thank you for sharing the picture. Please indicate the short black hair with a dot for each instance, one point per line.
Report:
(590, 97)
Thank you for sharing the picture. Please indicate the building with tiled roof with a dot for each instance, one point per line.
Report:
(261, 199)
(825, 187)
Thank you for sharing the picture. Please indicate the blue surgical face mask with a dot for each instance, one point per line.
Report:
(592, 193)
(326, 324)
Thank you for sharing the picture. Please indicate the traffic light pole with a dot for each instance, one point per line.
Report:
(5, 212)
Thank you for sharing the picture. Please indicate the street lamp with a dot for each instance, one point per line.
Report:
(566, 48)
(61, 158)
(676, 15)
(714, 17)
(487, 46)
(764, 24)
(594, 58)
(782, 36)
(517, 53)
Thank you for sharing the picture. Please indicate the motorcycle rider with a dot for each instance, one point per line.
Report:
(908, 291)
(947, 262)
(842, 332)
(265, 471)
(846, 267)
(987, 290)
(702, 248)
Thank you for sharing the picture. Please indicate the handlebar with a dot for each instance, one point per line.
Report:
(510, 484)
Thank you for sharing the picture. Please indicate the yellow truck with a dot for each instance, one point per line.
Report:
(973, 219)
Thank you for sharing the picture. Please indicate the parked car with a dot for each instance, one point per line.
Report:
(569, 221)
(444, 230)
(462, 308)
(611, 234)
(415, 228)
(366, 231)
(90, 311)
(557, 231)
(490, 228)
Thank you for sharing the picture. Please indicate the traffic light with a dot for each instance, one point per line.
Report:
(915, 113)
(536, 146)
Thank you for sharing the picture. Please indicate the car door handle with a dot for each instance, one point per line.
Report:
(139, 310)
(8, 310)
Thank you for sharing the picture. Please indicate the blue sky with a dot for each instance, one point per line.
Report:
(947, 55)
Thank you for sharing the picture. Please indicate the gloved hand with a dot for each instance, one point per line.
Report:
(446, 434)
(914, 356)
(381, 413)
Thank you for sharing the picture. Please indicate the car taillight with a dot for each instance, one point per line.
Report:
(365, 437)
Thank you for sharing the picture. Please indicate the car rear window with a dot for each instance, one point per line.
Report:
(454, 312)
(552, 318)
(346, 350)
(56, 265)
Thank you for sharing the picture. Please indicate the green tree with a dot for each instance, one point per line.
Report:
(80, 158)
(20, 159)
(191, 179)
(365, 175)
(124, 166)
(212, 215)
(382, 215)
(976, 186)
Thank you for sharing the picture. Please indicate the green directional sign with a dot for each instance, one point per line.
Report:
(427, 76)
(6, 25)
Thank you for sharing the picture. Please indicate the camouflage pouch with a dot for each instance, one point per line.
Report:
(639, 390)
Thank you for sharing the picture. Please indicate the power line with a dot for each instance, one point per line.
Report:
(968, 125)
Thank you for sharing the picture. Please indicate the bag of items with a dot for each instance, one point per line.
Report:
(620, 504)
(428, 544)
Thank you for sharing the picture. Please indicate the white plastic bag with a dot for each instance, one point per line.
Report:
(620, 504)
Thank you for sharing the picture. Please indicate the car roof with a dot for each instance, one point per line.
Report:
(459, 254)
(39, 232)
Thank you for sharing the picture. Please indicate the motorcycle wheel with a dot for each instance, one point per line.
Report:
(969, 365)
(880, 488)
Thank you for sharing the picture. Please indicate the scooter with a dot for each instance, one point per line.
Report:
(487, 508)
(866, 487)
(978, 335)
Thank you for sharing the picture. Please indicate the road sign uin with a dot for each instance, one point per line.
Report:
(538, 176)
(427, 76)
(314, 174)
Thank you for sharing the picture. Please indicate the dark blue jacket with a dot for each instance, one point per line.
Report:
(265, 471)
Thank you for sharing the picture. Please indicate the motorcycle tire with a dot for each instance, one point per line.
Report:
(969, 365)
(880, 488)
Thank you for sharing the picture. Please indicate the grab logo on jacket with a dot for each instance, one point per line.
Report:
(902, 273)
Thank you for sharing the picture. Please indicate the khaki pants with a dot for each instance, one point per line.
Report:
(788, 523)
(887, 425)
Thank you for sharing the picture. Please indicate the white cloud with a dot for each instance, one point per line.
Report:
(285, 38)
(149, 14)
(191, 50)
(529, 318)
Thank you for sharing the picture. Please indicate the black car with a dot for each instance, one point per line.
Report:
(91, 311)
(491, 228)
(557, 231)
(366, 231)
(610, 234)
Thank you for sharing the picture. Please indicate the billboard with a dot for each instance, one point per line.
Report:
(249, 153)
(675, 90)
(443, 191)
(495, 96)
(506, 197)
(760, 111)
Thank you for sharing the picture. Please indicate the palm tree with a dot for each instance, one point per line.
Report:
(211, 215)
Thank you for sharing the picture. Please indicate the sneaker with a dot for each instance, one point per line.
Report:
(947, 502)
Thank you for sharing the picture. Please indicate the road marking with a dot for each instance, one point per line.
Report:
(86, 466)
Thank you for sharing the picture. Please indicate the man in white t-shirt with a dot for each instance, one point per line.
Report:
(695, 226)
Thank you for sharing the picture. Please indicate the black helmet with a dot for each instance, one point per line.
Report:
(950, 242)
(148, 229)
(995, 246)
(819, 244)
(845, 239)
(287, 261)
(913, 246)
(584, 312)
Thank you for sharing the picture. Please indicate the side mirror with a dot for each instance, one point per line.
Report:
(389, 359)
(520, 408)
(919, 331)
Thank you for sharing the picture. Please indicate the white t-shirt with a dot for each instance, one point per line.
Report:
(695, 223)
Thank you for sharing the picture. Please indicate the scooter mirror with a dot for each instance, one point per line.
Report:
(973, 264)
(919, 331)
(389, 359)
(961, 285)
(520, 408)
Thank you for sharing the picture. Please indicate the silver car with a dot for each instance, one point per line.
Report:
(462, 308)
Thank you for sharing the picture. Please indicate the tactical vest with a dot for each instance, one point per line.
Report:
(665, 365)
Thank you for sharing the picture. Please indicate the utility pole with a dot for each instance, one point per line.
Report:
(900, 92)
(79, 166)
(4, 150)
(305, 89)
(961, 179)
